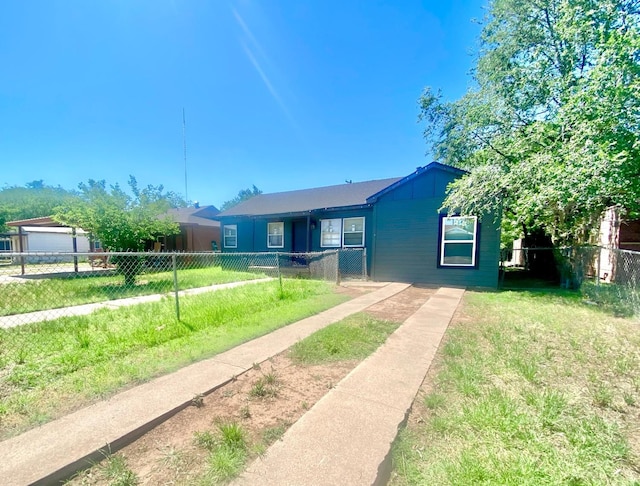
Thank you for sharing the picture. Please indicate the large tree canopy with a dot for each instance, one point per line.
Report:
(550, 132)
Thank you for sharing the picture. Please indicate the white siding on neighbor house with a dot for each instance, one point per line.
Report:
(51, 240)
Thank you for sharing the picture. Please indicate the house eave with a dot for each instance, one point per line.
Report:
(293, 214)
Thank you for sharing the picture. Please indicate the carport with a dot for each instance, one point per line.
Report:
(46, 221)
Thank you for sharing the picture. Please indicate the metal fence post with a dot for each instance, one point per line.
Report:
(364, 263)
(279, 274)
(175, 284)
(337, 267)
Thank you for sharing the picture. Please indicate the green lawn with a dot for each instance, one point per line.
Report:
(529, 388)
(83, 288)
(48, 368)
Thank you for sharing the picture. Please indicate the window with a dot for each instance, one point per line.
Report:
(5, 244)
(331, 233)
(458, 246)
(230, 236)
(275, 235)
(353, 232)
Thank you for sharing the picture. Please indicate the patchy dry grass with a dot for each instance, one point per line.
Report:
(529, 388)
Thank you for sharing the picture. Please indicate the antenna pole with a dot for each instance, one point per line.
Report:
(184, 147)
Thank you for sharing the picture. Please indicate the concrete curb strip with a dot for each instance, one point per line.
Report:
(54, 451)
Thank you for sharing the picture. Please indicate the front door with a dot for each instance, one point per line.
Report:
(299, 235)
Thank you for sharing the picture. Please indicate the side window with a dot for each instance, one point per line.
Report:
(275, 235)
(230, 236)
(353, 232)
(458, 244)
(331, 233)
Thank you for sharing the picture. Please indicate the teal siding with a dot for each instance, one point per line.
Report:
(402, 231)
(252, 232)
(407, 238)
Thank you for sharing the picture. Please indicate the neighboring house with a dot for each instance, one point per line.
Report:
(198, 232)
(5, 242)
(616, 234)
(397, 221)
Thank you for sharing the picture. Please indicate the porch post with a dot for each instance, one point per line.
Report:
(308, 232)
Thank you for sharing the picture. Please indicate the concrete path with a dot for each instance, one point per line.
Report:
(84, 309)
(346, 437)
(55, 450)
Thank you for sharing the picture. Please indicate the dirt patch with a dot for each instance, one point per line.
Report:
(168, 455)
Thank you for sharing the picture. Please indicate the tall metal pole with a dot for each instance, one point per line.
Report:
(184, 147)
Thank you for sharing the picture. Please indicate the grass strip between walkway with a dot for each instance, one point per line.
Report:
(530, 388)
(47, 369)
(230, 444)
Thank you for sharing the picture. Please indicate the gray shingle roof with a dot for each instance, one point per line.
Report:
(342, 195)
(200, 215)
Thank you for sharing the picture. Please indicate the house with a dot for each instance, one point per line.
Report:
(396, 221)
(198, 232)
(615, 234)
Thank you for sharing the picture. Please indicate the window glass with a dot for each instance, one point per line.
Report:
(231, 236)
(458, 246)
(331, 233)
(353, 232)
(275, 235)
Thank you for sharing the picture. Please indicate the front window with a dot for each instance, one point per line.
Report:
(353, 232)
(275, 235)
(458, 245)
(5, 244)
(230, 236)
(331, 233)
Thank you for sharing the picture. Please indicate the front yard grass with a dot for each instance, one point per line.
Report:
(50, 368)
(528, 388)
(36, 294)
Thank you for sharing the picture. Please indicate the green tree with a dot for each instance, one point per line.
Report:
(243, 195)
(34, 200)
(550, 132)
(122, 222)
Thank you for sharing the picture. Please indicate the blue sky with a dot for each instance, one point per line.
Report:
(283, 94)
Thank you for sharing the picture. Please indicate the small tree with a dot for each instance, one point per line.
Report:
(122, 222)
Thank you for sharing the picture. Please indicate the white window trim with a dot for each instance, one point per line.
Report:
(281, 225)
(344, 232)
(473, 242)
(224, 235)
(339, 230)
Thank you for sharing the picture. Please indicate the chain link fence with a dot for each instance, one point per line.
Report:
(42, 286)
(65, 298)
(607, 277)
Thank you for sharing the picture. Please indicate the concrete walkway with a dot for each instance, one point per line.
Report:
(54, 451)
(15, 320)
(346, 437)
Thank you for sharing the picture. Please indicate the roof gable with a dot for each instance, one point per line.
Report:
(419, 171)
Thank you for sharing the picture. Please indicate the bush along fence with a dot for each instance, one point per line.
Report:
(40, 286)
(607, 276)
